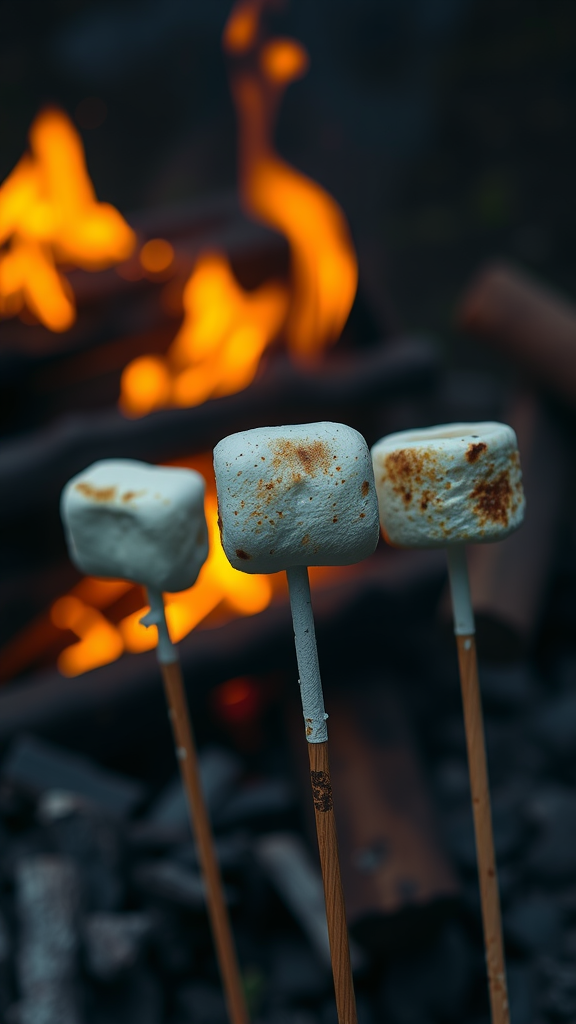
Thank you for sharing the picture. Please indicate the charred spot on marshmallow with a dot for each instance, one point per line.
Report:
(493, 499)
(242, 554)
(474, 451)
(312, 457)
(130, 495)
(365, 489)
(96, 493)
(407, 467)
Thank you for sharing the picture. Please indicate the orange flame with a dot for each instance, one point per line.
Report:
(324, 266)
(226, 329)
(49, 214)
(218, 347)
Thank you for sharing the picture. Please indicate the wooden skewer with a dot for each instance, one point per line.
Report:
(317, 736)
(199, 820)
(474, 725)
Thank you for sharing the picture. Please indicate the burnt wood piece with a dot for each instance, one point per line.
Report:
(47, 893)
(527, 322)
(107, 301)
(34, 468)
(509, 580)
(90, 713)
(398, 882)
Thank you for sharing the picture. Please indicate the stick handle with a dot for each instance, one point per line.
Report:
(200, 822)
(333, 892)
(317, 736)
(475, 742)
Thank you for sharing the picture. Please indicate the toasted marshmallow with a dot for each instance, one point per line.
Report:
(129, 520)
(458, 483)
(296, 495)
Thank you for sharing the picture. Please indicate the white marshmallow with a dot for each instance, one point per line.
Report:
(296, 495)
(129, 520)
(459, 483)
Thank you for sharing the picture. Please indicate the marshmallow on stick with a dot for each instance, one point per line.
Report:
(129, 520)
(290, 497)
(448, 486)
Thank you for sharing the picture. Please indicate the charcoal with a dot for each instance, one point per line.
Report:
(452, 781)
(219, 771)
(201, 1003)
(508, 827)
(507, 689)
(555, 726)
(432, 984)
(38, 766)
(171, 881)
(136, 999)
(265, 799)
(551, 858)
(558, 981)
(47, 893)
(232, 851)
(533, 923)
(93, 840)
(295, 973)
(522, 992)
(289, 867)
(112, 942)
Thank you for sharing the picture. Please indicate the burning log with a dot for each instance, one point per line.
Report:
(527, 322)
(33, 469)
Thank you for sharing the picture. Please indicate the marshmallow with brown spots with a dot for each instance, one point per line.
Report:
(129, 520)
(296, 495)
(459, 483)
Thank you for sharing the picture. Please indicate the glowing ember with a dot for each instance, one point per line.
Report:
(49, 215)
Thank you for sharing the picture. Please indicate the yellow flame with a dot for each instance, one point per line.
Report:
(324, 265)
(49, 214)
(226, 329)
(218, 347)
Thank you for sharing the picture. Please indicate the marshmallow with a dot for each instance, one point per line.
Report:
(129, 520)
(296, 495)
(458, 483)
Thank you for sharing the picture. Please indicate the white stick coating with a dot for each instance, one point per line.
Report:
(129, 520)
(458, 483)
(296, 495)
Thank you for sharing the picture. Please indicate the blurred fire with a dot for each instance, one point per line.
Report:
(227, 328)
(49, 214)
(218, 347)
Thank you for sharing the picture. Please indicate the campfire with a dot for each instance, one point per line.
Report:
(153, 336)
